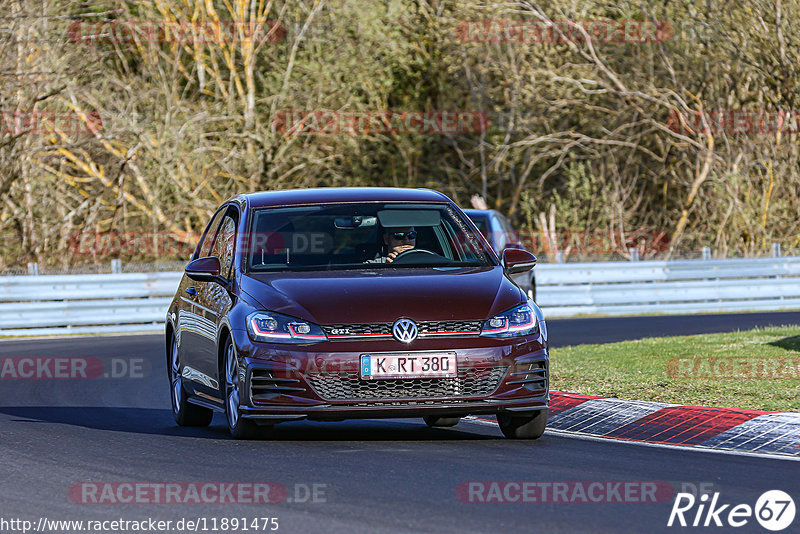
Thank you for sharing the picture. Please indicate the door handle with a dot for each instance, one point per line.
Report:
(192, 291)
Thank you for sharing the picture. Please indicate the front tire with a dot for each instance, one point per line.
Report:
(185, 413)
(523, 427)
(239, 427)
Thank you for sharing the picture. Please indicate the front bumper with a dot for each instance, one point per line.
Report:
(439, 409)
(282, 383)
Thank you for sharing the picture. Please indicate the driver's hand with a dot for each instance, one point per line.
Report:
(396, 251)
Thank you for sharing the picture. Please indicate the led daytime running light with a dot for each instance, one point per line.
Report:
(508, 329)
(283, 329)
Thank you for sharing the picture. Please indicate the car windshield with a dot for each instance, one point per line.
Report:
(359, 236)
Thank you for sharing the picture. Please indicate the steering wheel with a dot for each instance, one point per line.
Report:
(404, 257)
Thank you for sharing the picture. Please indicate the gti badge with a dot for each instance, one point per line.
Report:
(340, 331)
(405, 330)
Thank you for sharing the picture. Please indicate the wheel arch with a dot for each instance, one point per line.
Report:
(222, 338)
(169, 330)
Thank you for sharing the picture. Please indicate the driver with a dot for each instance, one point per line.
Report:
(397, 241)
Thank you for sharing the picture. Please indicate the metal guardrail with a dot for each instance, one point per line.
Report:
(85, 303)
(63, 304)
(688, 286)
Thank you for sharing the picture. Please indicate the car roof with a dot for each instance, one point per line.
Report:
(477, 213)
(339, 194)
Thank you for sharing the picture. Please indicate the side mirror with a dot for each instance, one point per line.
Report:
(516, 260)
(204, 270)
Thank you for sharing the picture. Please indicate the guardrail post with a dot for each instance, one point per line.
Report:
(776, 250)
(33, 268)
(116, 266)
(634, 254)
(706, 253)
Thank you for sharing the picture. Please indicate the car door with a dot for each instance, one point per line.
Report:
(194, 325)
(214, 300)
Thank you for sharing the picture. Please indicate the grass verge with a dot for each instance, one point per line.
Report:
(754, 369)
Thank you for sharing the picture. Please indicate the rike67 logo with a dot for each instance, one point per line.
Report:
(774, 510)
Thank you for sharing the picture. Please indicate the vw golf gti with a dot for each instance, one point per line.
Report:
(339, 303)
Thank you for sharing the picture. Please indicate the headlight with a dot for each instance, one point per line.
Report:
(276, 328)
(516, 322)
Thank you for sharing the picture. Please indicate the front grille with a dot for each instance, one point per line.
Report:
(412, 403)
(345, 386)
(363, 329)
(265, 387)
(449, 327)
(426, 328)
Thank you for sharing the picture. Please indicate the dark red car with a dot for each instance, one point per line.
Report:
(331, 304)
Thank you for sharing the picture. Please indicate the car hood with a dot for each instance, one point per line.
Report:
(384, 295)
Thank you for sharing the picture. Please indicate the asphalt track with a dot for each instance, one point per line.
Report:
(371, 476)
(611, 329)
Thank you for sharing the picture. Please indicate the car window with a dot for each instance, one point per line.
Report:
(208, 237)
(224, 245)
(350, 235)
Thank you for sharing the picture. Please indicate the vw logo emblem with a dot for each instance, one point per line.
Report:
(405, 330)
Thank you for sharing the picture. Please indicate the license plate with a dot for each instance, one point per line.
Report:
(409, 365)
